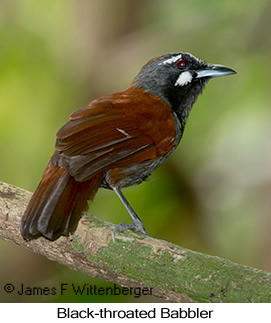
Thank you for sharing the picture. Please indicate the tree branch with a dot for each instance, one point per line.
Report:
(174, 273)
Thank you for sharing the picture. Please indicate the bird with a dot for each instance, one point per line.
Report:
(117, 141)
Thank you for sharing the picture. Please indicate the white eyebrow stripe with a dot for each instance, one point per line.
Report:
(195, 58)
(171, 60)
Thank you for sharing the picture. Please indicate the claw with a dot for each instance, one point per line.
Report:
(135, 226)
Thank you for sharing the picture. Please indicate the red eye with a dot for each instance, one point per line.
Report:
(182, 63)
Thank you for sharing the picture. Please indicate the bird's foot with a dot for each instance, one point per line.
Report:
(136, 226)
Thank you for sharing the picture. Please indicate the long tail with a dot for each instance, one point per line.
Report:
(57, 204)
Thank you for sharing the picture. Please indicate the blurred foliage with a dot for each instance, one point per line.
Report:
(213, 194)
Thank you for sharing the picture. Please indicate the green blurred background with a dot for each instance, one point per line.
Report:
(213, 194)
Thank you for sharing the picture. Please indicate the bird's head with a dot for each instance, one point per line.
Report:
(178, 78)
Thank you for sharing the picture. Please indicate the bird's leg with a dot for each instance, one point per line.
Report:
(137, 224)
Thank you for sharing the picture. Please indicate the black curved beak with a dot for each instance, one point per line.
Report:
(213, 70)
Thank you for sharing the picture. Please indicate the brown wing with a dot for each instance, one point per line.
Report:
(118, 130)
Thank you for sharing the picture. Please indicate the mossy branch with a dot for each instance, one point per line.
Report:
(174, 273)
